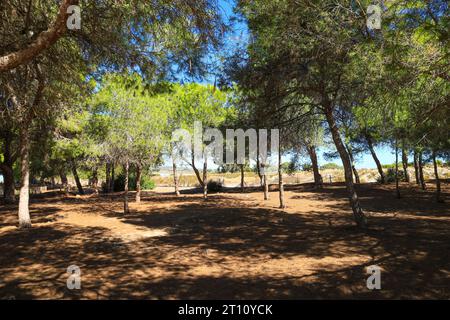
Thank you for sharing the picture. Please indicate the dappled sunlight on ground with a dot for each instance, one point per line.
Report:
(232, 246)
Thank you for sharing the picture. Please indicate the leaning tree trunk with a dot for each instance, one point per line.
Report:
(397, 187)
(8, 183)
(280, 181)
(352, 161)
(375, 158)
(405, 164)
(358, 214)
(242, 178)
(416, 167)
(318, 181)
(438, 182)
(205, 178)
(138, 183)
(126, 208)
(175, 178)
(196, 171)
(421, 176)
(113, 177)
(24, 211)
(76, 177)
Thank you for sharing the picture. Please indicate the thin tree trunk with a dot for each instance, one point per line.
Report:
(258, 163)
(405, 164)
(265, 182)
(438, 182)
(108, 177)
(197, 173)
(8, 183)
(126, 208)
(76, 177)
(64, 181)
(318, 181)
(95, 180)
(175, 178)
(138, 183)
(205, 178)
(242, 178)
(352, 161)
(375, 158)
(422, 179)
(358, 213)
(416, 167)
(24, 211)
(280, 181)
(113, 177)
(397, 187)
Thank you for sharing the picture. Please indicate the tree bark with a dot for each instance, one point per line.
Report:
(265, 182)
(8, 183)
(95, 180)
(205, 178)
(138, 183)
(416, 167)
(64, 181)
(358, 213)
(175, 178)
(197, 173)
(24, 211)
(280, 181)
(113, 177)
(405, 164)
(422, 179)
(108, 178)
(76, 177)
(242, 178)
(318, 180)
(126, 208)
(397, 188)
(438, 182)
(44, 40)
(352, 161)
(375, 158)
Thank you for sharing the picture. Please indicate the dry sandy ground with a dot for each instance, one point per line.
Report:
(230, 247)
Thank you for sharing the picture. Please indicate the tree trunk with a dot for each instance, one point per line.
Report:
(108, 178)
(358, 214)
(242, 178)
(205, 178)
(258, 164)
(280, 181)
(352, 161)
(64, 181)
(138, 183)
(416, 167)
(175, 178)
(375, 158)
(438, 182)
(421, 177)
(126, 208)
(318, 181)
(113, 177)
(397, 188)
(95, 180)
(24, 211)
(76, 177)
(405, 164)
(8, 183)
(197, 173)
(265, 182)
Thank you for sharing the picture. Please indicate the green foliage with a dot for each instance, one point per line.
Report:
(119, 183)
(330, 165)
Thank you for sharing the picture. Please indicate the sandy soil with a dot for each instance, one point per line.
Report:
(229, 247)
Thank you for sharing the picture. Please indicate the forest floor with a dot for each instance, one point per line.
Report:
(233, 246)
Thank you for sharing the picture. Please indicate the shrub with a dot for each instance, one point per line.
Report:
(330, 166)
(390, 176)
(215, 186)
(119, 183)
